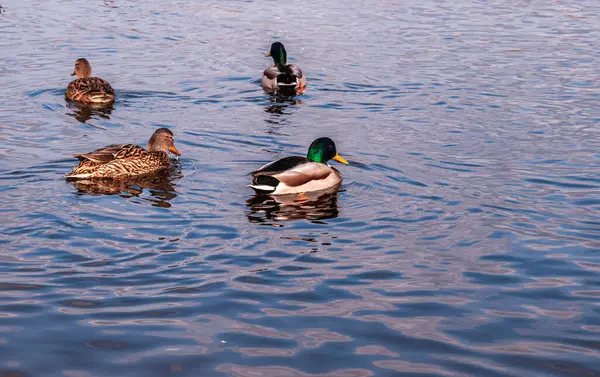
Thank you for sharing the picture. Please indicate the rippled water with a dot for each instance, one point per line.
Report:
(464, 242)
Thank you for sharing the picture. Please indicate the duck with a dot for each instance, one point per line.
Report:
(282, 78)
(297, 174)
(87, 89)
(123, 161)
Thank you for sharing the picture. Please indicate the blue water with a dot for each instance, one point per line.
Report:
(464, 241)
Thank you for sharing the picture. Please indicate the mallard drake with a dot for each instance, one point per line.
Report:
(296, 174)
(119, 161)
(281, 77)
(87, 89)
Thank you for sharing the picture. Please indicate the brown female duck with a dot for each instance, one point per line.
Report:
(87, 89)
(119, 161)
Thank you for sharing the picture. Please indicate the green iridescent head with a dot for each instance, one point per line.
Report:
(278, 53)
(322, 150)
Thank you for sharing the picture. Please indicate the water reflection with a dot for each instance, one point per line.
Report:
(110, 4)
(83, 112)
(279, 104)
(317, 205)
(277, 110)
(465, 246)
(160, 187)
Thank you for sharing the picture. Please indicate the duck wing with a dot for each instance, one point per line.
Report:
(90, 89)
(112, 152)
(93, 84)
(292, 171)
(279, 166)
(289, 76)
(271, 72)
(294, 70)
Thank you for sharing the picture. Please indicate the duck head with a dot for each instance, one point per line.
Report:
(162, 141)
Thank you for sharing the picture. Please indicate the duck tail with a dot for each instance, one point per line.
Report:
(101, 97)
(74, 176)
(262, 189)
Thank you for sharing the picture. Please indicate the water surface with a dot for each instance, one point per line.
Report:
(463, 242)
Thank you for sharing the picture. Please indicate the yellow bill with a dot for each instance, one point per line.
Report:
(174, 151)
(268, 54)
(339, 158)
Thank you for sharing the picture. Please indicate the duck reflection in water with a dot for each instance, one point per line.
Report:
(312, 206)
(160, 186)
(280, 104)
(84, 112)
(277, 112)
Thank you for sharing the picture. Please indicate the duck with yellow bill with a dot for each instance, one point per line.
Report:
(297, 174)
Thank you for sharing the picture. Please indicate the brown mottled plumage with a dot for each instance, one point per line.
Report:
(119, 161)
(88, 89)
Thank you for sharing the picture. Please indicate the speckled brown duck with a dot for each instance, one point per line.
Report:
(87, 89)
(121, 161)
